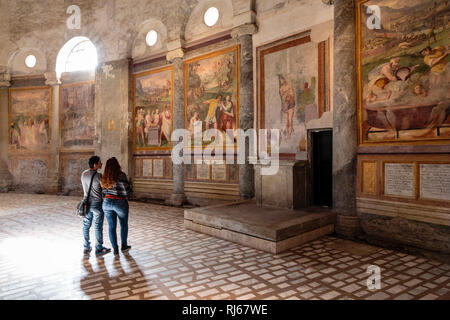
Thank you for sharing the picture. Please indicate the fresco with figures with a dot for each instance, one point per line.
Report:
(403, 71)
(77, 116)
(153, 109)
(212, 95)
(289, 94)
(29, 115)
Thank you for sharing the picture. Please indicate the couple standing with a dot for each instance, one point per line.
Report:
(109, 194)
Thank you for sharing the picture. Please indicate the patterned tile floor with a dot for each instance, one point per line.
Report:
(41, 258)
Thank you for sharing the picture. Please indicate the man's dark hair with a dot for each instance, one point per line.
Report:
(93, 161)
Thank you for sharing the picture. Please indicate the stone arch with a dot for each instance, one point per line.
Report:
(66, 50)
(16, 62)
(139, 48)
(195, 27)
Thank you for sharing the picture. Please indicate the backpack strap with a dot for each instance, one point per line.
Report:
(90, 187)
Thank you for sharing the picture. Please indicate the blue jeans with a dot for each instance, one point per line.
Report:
(95, 214)
(117, 209)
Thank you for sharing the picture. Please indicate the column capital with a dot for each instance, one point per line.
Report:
(175, 54)
(5, 79)
(51, 79)
(245, 29)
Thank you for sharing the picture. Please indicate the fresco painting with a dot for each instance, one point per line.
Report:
(212, 94)
(403, 71)
(29, 114)
(289, 91)
(153, 109)
(77, 116)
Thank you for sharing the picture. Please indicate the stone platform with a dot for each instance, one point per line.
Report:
(269, 229)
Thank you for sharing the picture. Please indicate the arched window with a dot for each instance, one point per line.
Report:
(77, 54)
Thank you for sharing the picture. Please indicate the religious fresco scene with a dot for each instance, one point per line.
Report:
(291, 94)
(140, 160)
(212, 95)
(405, 72)
(77, 116)
(153, 112)
(30, 119)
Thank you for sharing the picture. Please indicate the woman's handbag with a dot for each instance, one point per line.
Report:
(82, 207)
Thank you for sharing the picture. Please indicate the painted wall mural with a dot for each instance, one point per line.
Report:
(153, 109)
(77, 115)
(291, 89)
(212, 93)
(29, 118)
(403, 72)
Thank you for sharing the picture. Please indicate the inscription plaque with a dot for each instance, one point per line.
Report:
(147, 168)
(203, 171)
(435, 181)
(399, 179)
(219, 172)
(158, 168)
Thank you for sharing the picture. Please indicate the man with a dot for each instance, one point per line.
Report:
(211, 117)
(380, 77)
(287, 95)
(95, 212)
(436, 59)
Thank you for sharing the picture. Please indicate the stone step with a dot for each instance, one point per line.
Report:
(265, 228)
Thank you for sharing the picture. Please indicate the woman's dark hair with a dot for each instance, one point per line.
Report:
(93, 161)
(111, 173)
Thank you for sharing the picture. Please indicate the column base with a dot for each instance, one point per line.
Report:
(176, 200)
(348, 226)
(5, 178)
(52, 185)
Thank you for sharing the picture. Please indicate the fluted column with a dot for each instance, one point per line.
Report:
(176, 57)
(52, 185)
(5, 175)
(345, 137)
(243, 35)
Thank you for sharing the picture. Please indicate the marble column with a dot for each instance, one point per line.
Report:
(345, 137)
(52, 185)
(178, 198)
(5, 175)
(243, 35)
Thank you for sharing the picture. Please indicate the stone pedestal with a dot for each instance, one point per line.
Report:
(287, 189)
(345, 139)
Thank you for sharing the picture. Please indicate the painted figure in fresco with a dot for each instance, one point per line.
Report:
(380, 77)
(420, 91)
(194, 123)
(166, 126)
(140, 127)
(156, 123)
(148, 123)
(211, 119)
(287, 103)
(308, 104)
(227, 117)
(436, 60)
(227, 121)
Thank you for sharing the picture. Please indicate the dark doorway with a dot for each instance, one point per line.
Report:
(322, 145)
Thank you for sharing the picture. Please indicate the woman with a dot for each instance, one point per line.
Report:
(116, 190)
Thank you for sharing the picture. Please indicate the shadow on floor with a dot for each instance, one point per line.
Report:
(112, 282)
